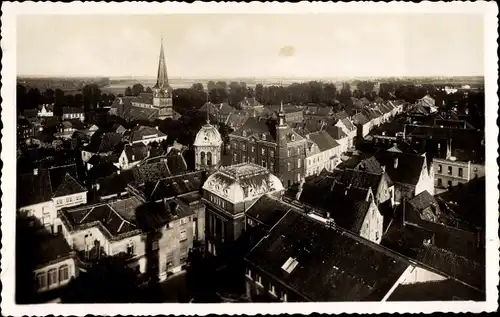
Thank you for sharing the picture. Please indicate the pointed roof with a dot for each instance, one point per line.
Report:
(69, 186)
(162, 78)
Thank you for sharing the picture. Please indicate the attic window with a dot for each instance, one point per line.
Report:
(263, 136)
(292, 137)
(289, 265)
(244, 133)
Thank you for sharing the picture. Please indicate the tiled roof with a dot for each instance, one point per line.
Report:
(69, 186)
(360, 179)
(175, 162)
(237, 119)
(359, 118)
(150, 172)
(115, 220)
(268, 211)
(139, 132)
(34, 189)
(139, 113)
(346, 205)
(254, 126)
(348, 124)
(323, 140)
(101, 142)
(66, 110)
(426, 206)
(369, 164)
(136, 152)
(332, 266)
(408, 167)
(49, 248)
(335, 132)
(146, 98)
(170, 187)
(446, 290)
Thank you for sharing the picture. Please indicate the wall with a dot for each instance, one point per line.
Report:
(259, 285)
(40, 210)
(420, 275)
(44, 270)
(372, 227)
(70, 200)
(426, 181)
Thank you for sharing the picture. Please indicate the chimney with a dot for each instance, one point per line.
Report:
(396, 162)
(35, 171)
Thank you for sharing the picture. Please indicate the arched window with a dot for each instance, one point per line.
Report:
(209, 158)
(202, 158)
(52, 277)
(41, 280)
(63, 273)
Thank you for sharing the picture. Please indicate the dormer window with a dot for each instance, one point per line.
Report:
(290, 265)
(244, 133)
(292, 137)
(263, 136)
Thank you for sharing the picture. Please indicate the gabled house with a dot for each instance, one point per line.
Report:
(352, 208)
(411, 173)
(132, 155)
(145, 134)
(73, 113)
(322, 152)
(46, 110)
(349, 129)
(102, 144)
(44, 191)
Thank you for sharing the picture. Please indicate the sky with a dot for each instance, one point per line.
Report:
(235, 45)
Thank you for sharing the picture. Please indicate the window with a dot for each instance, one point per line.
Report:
(460, 172)
(59, 201)
(46, 218)
(183, 235)
(235, 157)
(235, 145)
(253, 160)
(271, 152)
(244, 147)
(183, 221)
(272, 290)
(130, 248)
(68, 199)
(299, 161)
(258, 280)
(243, 158)
(249, 222)
(41, 280)
(155, 245)
(170, 259)
(289, 265)
(253, 149)
(79, 197)
(52, 277)
(440, 182)
(271, 166)
(376, 235)
(288, 166)
(283, 296)
(263, 151)
(249, 273)
(449, 184)
(449, 170)
(289, 152)
(264, 164)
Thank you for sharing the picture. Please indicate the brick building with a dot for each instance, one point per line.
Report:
(271, 144)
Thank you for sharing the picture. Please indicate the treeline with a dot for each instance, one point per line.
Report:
(89, 98)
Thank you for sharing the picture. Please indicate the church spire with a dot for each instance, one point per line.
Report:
(162, 78)
(208, 109)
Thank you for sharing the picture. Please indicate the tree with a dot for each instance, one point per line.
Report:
(91, 96)
(197, 87)
(259, 92)
(128, 91)
(149, 90)
(137, 89)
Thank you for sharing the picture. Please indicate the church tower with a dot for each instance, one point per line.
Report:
(208, 147)
(162, 95)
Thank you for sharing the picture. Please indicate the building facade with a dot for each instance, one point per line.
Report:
(208, 148)
(273, 145)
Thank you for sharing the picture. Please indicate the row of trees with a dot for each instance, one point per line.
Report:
(89, 98)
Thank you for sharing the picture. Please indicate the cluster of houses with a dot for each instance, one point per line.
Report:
(320, 221)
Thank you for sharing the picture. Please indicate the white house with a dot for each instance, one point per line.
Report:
(46, 110)
(146, 135)
(322, 152)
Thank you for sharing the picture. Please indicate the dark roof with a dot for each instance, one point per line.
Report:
(175, 162)
(436, 291)
(360, 178)
(72, 110)
(451, 251)
(146, 98)
(69, 186)
(425, 206)
(139, 132)
(33, 189)
(139, 113)
(30, 113)
(268, 211)
(323, 140)
(347, 206)
(359, 118)
(115, 220)
(332, 265)
(335, 132)
(136, 152)
(101, 142)
(257, 127)
(49, 249)
(408, 167)
(170, 187)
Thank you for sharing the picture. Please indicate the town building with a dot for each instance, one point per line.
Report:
(220, 111)
(73, 113)
(132, 155)
(228, 194)
(411, 173)
(273, 145)
(47, 190)
(208, 147)
(322, 153)
(144, 134)
(348, 204)
(307, 259)
(148, 106)
(46, 110)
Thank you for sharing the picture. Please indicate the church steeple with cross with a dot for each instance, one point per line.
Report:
(162, 96)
